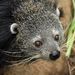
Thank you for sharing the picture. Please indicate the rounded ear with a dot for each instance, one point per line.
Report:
(13, 28)
(58, 12)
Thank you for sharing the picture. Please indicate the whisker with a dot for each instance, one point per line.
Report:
(24, 60)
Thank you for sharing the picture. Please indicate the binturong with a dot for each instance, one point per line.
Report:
(39, 33)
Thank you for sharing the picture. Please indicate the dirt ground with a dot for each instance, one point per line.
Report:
(62, 66)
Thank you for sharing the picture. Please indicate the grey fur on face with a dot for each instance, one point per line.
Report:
(39, 29)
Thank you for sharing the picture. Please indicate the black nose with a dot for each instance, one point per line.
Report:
(54, 55)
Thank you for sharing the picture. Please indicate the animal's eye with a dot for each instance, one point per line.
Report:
(56, 37)
(13, 28)
(38, 43)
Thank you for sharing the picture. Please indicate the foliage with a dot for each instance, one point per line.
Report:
(71, 33)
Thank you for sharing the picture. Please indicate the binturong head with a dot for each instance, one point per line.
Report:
(40, 33)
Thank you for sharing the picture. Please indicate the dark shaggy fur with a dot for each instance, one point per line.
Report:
(6, 20)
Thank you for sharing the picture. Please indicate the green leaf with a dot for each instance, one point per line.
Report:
(71, 34)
